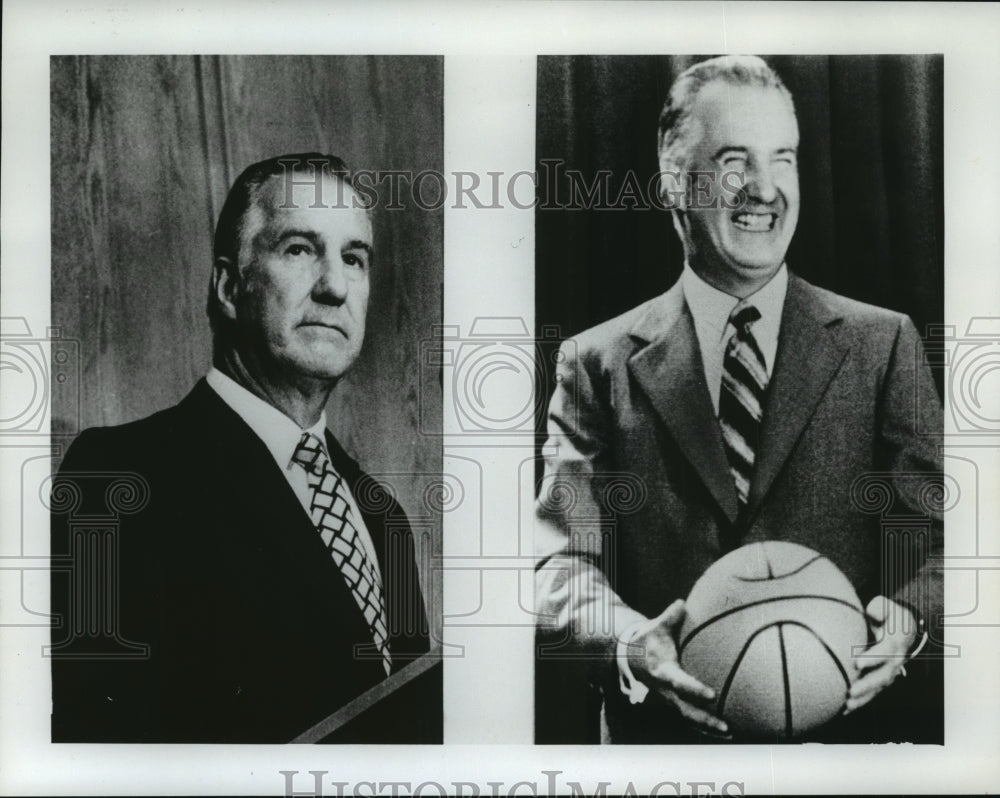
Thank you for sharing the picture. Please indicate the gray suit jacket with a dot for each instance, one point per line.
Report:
(638, 500)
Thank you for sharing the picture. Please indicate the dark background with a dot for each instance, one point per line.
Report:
(144, 149)
(871, 224)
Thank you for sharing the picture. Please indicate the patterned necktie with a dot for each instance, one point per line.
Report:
(331, 514)
(744, 381)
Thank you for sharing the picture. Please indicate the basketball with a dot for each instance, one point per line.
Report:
(771, 627)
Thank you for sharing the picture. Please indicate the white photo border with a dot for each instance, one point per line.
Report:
(490, 59)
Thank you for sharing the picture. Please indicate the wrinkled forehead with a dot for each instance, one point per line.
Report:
(305, 189)
(751, 117)
(324, 205)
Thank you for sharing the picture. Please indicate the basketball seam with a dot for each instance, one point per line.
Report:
(784, 676)
(728, 683)
(830, 651)
(704, 624)
(771, 577)
(730, 677)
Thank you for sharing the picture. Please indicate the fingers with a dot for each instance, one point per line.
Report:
(682, 683)
(893, 640)
(871, 684)
(702, 719)
(877, 610)
(681, 689)
(891, 647)
(883, 650)
(879, 667)
(672, 616)
(673, 683)
(889, 619)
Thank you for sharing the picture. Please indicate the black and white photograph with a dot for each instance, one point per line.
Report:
(227, 564)
(416, 398)
(744, 252)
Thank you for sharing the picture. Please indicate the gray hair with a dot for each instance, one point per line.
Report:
(674, 138)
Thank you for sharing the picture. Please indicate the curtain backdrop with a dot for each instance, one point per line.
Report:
(144, 150)
(871, 224)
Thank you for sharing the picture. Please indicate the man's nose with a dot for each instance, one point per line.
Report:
(760, 183)
(331, 282)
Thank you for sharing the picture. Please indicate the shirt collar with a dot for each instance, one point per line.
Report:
(279, 433)
(711, 307)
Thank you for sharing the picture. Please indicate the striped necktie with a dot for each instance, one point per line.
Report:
(741, 398)
(332, 516)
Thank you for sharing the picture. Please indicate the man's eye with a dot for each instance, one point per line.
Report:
(297, 249)
(354, 260)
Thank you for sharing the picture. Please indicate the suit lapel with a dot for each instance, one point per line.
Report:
(809, 355)
(261, 505)
(671, 372)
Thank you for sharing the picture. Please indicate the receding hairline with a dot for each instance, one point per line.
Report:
(267, 201)
(739, 71)
(339, 199)
(721, 82)
(728, 87)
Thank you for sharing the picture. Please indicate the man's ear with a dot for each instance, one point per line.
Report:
(672, 186)
(226, 286)
(673, 191)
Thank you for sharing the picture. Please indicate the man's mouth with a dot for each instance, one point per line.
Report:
(325, 325)
(755, 222)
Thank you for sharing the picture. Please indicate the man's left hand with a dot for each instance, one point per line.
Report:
(895, 629)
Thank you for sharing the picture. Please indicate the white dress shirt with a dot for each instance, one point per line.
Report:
(281, 435)
(711, 308)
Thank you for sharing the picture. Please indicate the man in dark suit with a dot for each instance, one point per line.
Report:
(256, 578)
(743, 404)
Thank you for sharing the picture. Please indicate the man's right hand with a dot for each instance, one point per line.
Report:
(652, 656)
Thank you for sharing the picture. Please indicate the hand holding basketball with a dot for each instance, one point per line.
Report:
(894, 629)
(773, 627)
(653, 660)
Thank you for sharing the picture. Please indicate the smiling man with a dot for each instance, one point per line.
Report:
(748, 134)
(743, 404)
(268, 580)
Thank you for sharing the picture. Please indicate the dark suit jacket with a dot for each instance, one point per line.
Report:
(638, 500)
(252, 634)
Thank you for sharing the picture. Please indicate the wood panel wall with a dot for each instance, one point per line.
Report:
(144, 149)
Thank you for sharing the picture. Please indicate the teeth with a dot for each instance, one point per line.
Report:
(754, 222)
